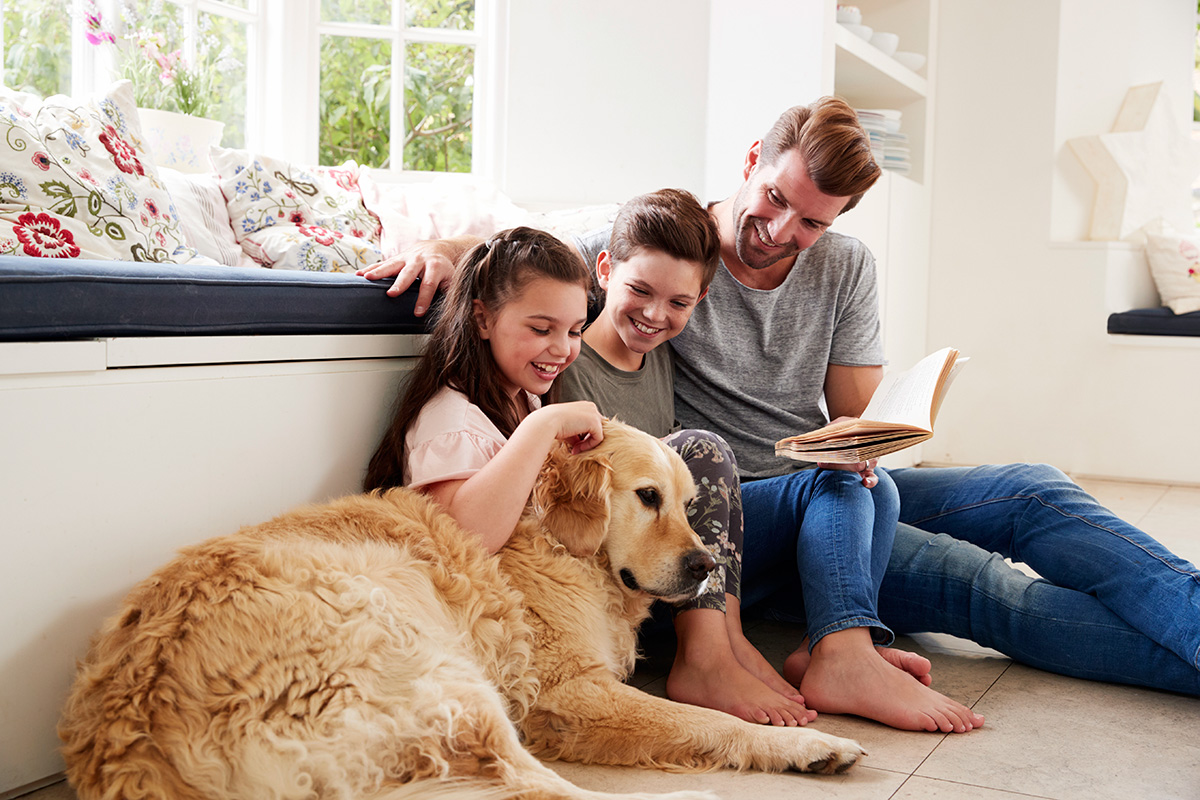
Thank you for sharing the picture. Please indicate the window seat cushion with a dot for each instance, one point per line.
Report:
(1155, 322)
(45, 298)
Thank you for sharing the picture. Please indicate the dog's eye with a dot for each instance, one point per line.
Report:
(650, 497)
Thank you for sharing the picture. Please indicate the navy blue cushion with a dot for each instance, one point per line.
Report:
(1155, 322)
(46, 298)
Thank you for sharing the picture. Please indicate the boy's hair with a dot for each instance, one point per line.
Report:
(835, 148)
(670, 221)
(494, 272)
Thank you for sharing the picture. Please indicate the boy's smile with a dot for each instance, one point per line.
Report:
(649, 298)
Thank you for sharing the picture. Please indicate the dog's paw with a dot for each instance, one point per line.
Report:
(828, 755)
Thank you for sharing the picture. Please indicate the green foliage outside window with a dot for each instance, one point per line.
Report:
(37, 46)
(438, 87)
(356, 89)
(356, 80)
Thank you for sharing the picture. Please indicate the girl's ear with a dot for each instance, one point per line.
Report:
(482, 318)
(604, 268)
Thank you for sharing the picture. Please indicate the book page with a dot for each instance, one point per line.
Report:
(908, 397)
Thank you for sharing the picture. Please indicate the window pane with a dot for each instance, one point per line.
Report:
(222, 53)
(456, 15)
(356, 84)
(237, 4)
(374, 12)
(438, 83)
(37, 46)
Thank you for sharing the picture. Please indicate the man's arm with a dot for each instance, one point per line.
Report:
(431, 260)
(848, 390)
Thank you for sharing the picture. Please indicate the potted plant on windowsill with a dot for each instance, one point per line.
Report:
(174, 96)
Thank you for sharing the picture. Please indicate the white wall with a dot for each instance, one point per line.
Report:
(1105, 48)
(1015, 80)
(605, 100)
(764, 57)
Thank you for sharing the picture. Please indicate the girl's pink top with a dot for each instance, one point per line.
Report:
(451, 439)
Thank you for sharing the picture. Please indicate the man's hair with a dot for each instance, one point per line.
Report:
(669, 221)
(835, 148)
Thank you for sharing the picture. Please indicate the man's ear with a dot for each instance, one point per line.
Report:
(702, 294)
(572, 499)
(482, 318)
(752, 156)
(604, 268)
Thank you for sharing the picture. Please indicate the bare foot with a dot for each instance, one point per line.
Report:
(724, 684)
(708, 673)
(749, 656)
(918, 666)
(758, 666)
(847, 675)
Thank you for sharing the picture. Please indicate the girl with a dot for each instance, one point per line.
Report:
(469, 430)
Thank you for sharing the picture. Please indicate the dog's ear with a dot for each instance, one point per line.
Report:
(572, 499)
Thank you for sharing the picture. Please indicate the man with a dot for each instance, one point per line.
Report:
(792, 317)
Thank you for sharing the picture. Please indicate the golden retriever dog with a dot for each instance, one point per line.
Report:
(369, 647)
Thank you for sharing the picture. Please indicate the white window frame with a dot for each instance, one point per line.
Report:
(283, 78)
(292, 57)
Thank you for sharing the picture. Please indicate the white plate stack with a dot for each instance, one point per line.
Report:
(888, 144)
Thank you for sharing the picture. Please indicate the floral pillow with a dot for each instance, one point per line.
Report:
(76, 181)
(1175, 267)
(289, 217)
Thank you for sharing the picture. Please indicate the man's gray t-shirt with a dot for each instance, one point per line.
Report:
(751, 363)
(644, 399)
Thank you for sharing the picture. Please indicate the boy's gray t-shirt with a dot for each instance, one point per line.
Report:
(751, 363)
(644, 399)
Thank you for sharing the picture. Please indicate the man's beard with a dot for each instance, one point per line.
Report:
(748, 241)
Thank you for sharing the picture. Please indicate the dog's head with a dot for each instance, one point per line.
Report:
(628, 496)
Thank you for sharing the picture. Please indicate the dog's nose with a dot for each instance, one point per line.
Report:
(699, 563)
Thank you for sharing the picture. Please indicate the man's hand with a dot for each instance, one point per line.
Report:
(866, 468)
(431, 260)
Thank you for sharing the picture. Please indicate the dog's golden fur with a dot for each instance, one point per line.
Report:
(371, 648)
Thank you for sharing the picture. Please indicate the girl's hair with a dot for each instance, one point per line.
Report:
(669, 221)
(495, 273)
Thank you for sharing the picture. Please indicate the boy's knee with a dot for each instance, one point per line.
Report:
(701, 445)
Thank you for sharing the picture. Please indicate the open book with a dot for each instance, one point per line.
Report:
(900, 414)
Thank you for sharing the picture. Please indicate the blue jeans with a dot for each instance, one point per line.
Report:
(817, 544)
(1113, 604)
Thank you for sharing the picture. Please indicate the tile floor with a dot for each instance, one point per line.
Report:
(1046, 736)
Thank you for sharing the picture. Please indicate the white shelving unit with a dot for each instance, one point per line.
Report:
(866, 77)
(893, 217)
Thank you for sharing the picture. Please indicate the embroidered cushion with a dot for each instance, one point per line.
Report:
(290, 217)
(1175, 266)
(205, 219)
(78, 182)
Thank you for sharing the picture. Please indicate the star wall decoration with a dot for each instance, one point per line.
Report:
(1144, 168)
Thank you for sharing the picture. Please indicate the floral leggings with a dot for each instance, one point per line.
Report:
(716, 515)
